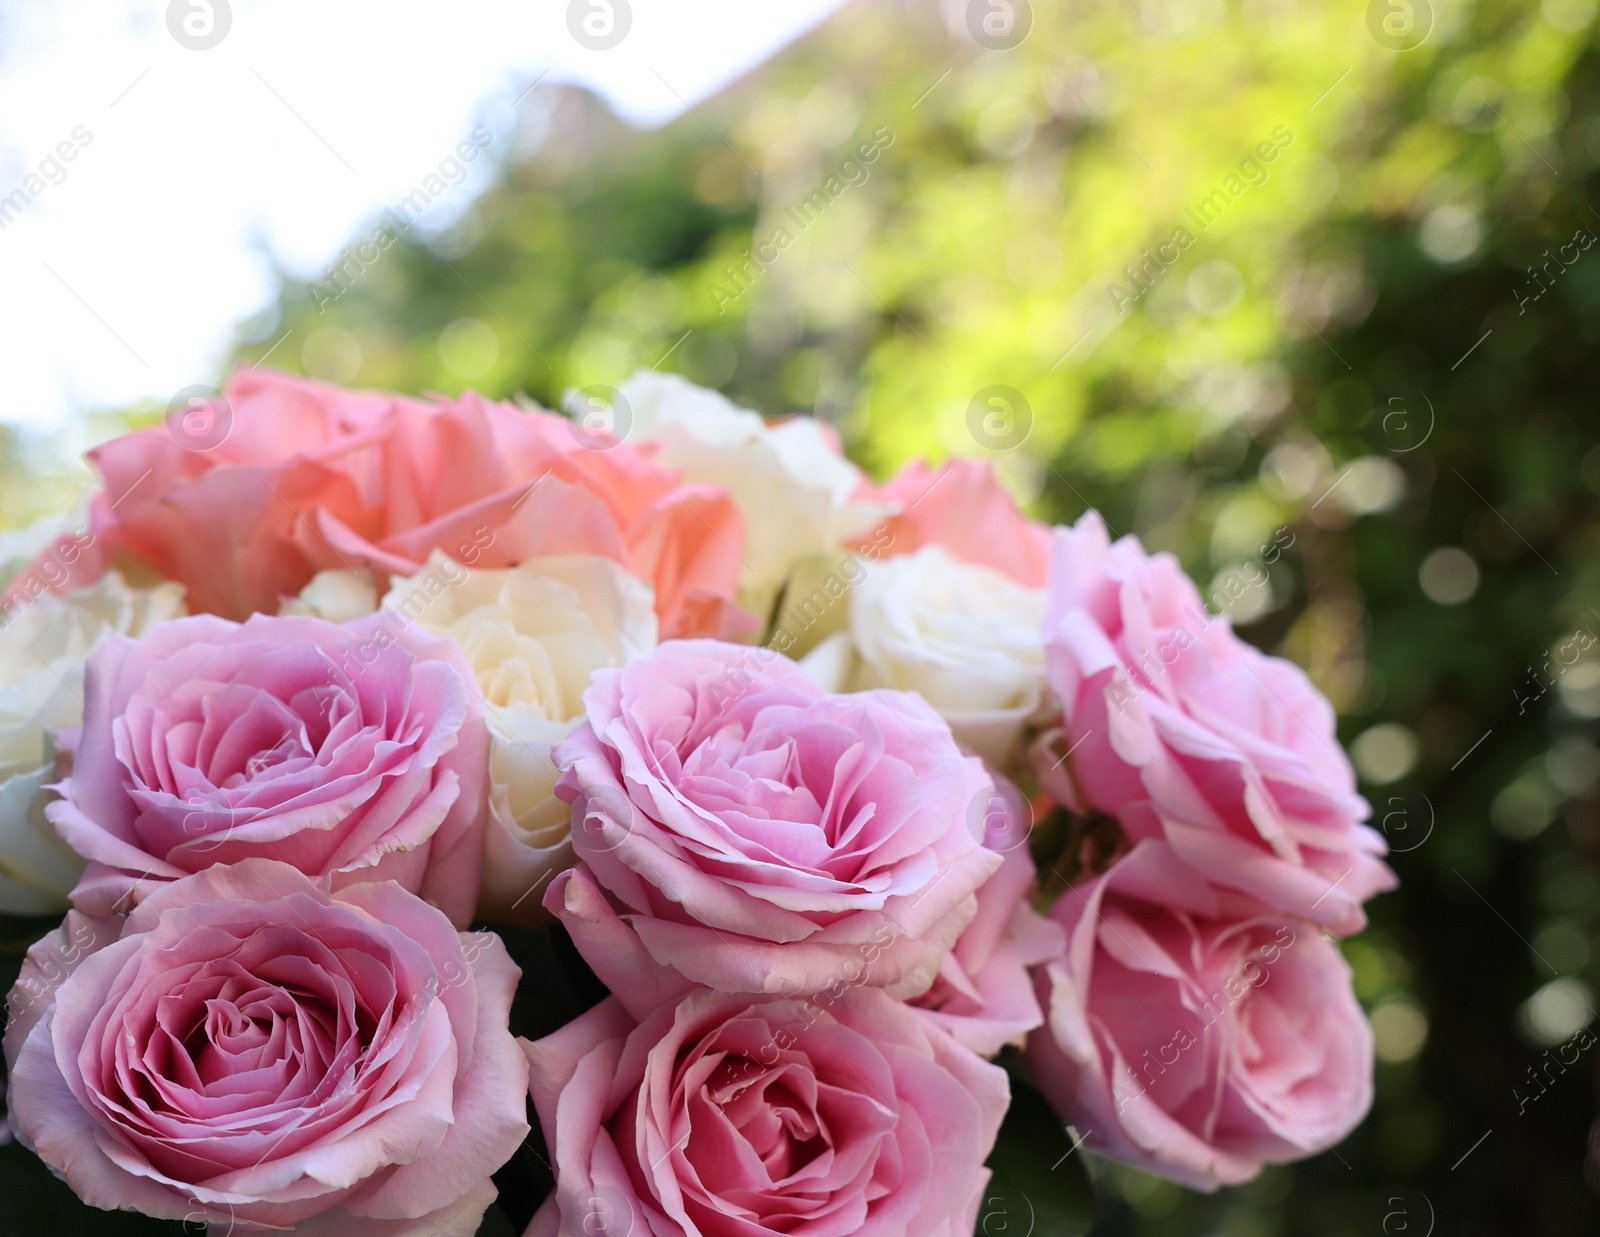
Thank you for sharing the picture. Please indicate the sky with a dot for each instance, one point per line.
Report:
(159, 162)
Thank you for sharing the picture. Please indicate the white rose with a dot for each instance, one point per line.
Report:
(42, 652)
(337, 596)
(794, 490)
(967, 638)
(20, 546)
(533, 635)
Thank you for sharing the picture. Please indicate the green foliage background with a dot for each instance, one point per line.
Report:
(1307, 329)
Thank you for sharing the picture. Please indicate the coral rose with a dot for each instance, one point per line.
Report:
(218, 500)
(1183, 731)
(1189, 1041)
(742, 829)
(356, 752)
(290, 477)
(730, 1116)
(248, 1052)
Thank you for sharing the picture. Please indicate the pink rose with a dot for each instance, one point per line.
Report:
(354, 752)
(732, 1116)
(287, 477)
(1189, 1041)
(962, 507)
(984, 995)
(246, 1051)
(1182, 731)
(744, 830)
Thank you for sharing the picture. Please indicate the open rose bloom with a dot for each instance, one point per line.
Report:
(352, 752)
(728, 1116)
(1199, 1023)
(360, 670)
(743, 830)
(1184, 732)
(1193, 1041)
(245, 1051)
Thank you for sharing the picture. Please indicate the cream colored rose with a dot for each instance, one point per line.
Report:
(967, 638)
(42, 651)
(533, 635)
(794, 489)
(20, 546)
(337, 596)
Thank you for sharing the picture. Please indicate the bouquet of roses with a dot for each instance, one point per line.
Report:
(840, 789)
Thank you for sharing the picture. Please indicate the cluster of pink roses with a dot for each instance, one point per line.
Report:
(1199, 1021)
(422, 687)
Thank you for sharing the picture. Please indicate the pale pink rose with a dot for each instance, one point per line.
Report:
(293, 477)
(730, 1116)
(246, 1051)
(984, 995)
(962, 507)
(355, 752)
(1183, 731)
(742, 829)
(1189, 1041)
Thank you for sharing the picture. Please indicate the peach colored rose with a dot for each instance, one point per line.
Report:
(217, 504)
(492, 485)
(291, 477)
